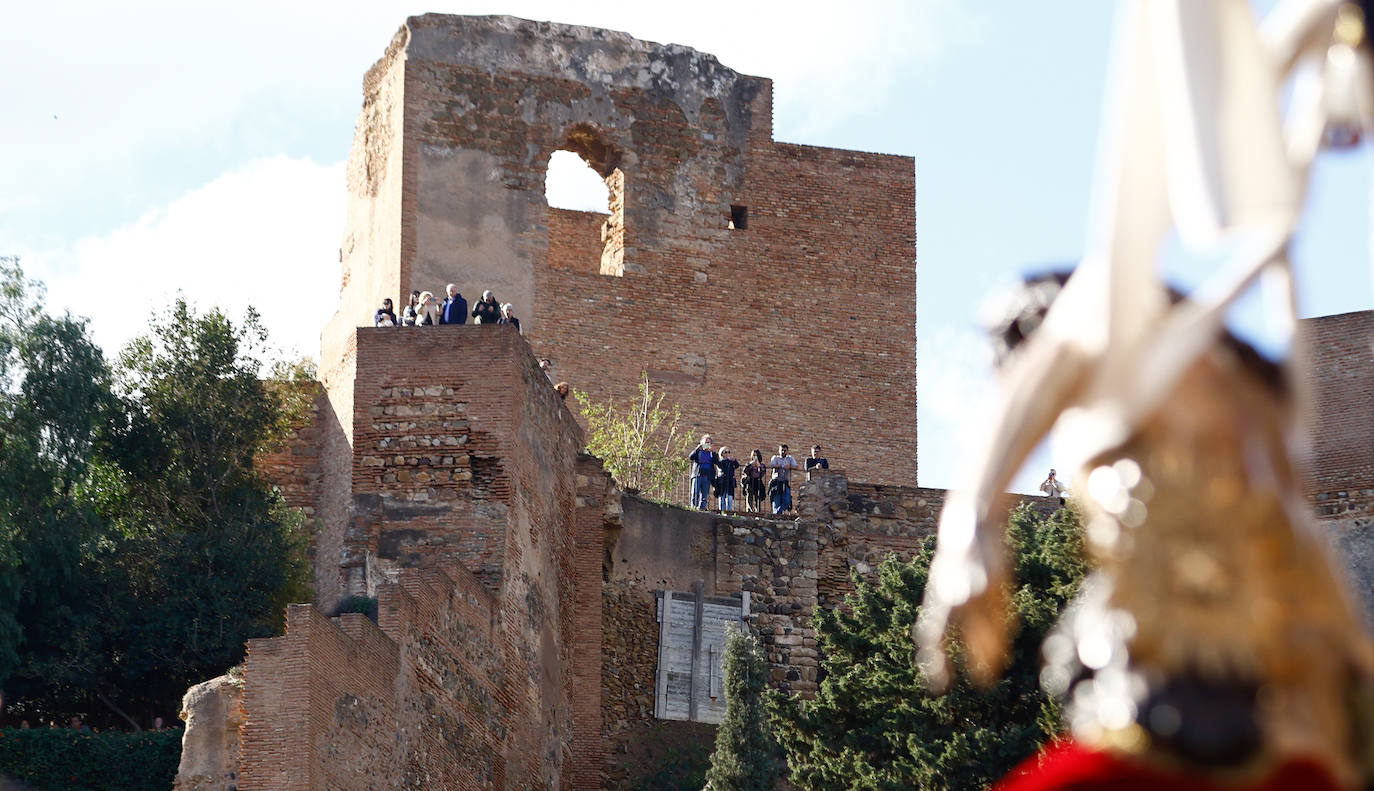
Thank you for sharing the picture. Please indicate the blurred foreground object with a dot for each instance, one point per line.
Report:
(1215, 639)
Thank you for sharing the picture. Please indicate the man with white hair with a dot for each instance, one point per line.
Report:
(488, 311)
(508, 316)
(454, 309)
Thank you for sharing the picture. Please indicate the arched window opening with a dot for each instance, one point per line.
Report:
(585, 190)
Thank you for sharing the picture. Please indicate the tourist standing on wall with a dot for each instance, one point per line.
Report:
(429, 311)
(487, 311)
(1053, 487)
(726, 467)
(703, 472)
(753, 482)
(455, 308)
(385, 316)
(508, 316)
(780, 488)
(411, 314)
(816, 459)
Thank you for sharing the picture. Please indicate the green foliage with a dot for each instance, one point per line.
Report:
(745, 758)
(872, 725)
(643, 445)
(139, 544)
(209, 555)
(679, 770)
(60, 759)
(54, 401)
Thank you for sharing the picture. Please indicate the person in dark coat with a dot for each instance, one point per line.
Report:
(754, 487)
(726, 467)
(454, 309)
(487, 311)
(703, 472)
(385, 316)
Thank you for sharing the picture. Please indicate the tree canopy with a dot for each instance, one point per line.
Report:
(745, 758)
(872, 724)
(139, 544)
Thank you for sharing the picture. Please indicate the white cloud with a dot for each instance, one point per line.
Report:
(265, 235)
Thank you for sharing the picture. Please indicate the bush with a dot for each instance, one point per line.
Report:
(61, 759)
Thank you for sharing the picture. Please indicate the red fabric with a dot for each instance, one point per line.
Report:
(1068, 767)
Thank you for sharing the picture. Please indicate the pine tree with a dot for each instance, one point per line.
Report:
(745, 758)
(872, 725)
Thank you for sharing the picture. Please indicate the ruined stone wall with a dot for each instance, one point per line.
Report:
(477, 522)
(788, 567)
(727, 321)
(341, 703)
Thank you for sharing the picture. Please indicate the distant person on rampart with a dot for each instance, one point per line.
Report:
(455, 308)
(754, 486)
(703, 472)
(1053, 487)
(780, 488)
(508, 316)
(726, 469)
(385, 316)
(429, 311)
(487, 310)
(816, 459)
(562, 388)
(546, 365)
(412, 312)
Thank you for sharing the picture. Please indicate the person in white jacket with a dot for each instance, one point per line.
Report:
(1053, 487)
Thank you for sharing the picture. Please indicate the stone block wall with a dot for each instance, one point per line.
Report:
(788, 566)
(477, 522)
(342, 703)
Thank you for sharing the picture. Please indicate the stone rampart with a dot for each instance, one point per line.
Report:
(476, 522)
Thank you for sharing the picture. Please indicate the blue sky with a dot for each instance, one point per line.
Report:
(151, 148)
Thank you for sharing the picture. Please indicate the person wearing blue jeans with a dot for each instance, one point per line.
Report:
(703, 472)
(725, 479)
(780, 488)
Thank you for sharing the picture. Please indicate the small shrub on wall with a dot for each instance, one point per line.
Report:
(61, 759)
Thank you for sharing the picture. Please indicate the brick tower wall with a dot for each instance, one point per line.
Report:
(797, 325)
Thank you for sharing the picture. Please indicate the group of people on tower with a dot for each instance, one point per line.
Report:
(425, 311)
(714, 473)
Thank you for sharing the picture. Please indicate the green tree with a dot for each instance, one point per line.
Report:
(643, 445)
(54, 397)
(209, 555)
(139, 544)
(745, 758)
(872, 725)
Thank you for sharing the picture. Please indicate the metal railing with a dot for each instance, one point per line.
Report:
(681, 493)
